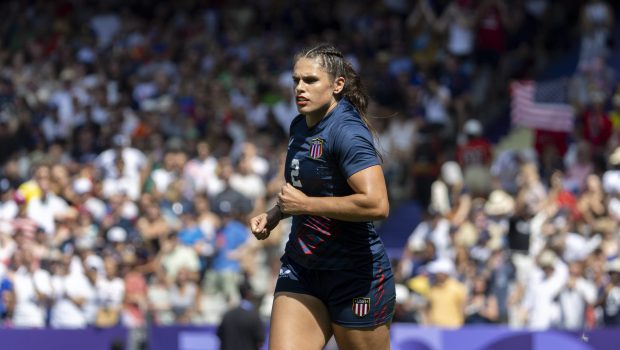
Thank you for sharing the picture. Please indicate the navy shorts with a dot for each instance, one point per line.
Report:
(355, 298)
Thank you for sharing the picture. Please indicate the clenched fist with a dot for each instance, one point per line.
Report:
(292, 201)
(261, 225)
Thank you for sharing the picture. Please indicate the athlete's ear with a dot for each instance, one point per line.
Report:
(338, 85)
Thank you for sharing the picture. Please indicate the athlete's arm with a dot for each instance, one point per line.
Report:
(369, 201)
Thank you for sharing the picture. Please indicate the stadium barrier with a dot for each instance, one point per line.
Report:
(66, 339)
(412, 337)
(404, 337)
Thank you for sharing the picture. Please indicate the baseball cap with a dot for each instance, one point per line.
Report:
(117, 234)
(444, 266)
(472, 127)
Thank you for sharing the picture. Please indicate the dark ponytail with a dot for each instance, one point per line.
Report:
(333, 62)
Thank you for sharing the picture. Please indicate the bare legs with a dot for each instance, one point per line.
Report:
(301, 322)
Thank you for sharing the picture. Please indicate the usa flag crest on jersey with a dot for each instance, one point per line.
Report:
(316, 148)
(361, 306)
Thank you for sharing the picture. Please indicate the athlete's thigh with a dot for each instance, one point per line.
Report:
(372, 338)
(298, 322)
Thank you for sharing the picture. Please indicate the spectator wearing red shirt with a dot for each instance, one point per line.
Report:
(476, 150)
(597, 126)
(475, 156)
(492, 18)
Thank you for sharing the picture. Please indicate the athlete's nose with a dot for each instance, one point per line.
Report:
(299, 88)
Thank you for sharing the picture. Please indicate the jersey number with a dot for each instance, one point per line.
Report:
(295, 173)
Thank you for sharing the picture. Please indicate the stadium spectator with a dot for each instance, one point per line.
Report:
(435, 229)
(449, 196)
(184, 297)
(596, 20)
(611, 294)
(482, 306)
(110, 295)
(241, 327)
(531, 193)
(546, 281)
(70, 291)
(159, 303)
(174, 256)
(576, 300)
(231, 244)
(447, 297)
(32, 289)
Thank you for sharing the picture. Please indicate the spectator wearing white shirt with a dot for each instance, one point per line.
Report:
(172, 168)
(8, 206)
(70, 291)
(93, 271)
(435, 229)
(611, 295)
(545, 282)
(449, 195)
(285, 109)
(247, 182)
(62, 107)
(110, 293)
(120, 183)
(199, 172)
(435, 101)
(106, 24)
(32, 289)
(45, 210)
(86, 198)
(258, 164)
(175, 256)
(135, 161)
(576, 297)
(159, 299)
(42, 205)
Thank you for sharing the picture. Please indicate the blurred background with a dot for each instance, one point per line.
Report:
(138, 137)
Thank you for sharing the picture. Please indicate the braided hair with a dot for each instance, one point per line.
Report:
(334, 63)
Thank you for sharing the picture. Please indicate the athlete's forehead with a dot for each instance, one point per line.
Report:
(308, 67)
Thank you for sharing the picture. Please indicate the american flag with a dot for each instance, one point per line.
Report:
(542, 105)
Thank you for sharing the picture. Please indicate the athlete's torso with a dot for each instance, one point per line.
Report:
(319, 161)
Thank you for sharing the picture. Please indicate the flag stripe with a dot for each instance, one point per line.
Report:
(361, 307)
(528, 112)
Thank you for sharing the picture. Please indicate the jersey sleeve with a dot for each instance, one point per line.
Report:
(353, 148)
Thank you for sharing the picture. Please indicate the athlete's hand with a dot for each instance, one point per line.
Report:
(291, 200)
(261, 225)
(258, 225)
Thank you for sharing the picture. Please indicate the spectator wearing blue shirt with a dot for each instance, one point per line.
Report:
(190, 232)
(6, 299)
(231, 241)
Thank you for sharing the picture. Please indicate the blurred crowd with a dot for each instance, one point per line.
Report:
(138, 137)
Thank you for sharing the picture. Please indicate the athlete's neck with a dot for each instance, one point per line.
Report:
(313, 118)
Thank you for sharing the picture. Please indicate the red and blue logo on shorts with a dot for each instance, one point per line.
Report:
(361, 306)
(316, 148)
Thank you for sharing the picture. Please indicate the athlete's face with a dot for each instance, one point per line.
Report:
(315, 89)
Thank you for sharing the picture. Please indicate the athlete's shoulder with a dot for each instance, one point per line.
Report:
(348, 122)
(348, 114)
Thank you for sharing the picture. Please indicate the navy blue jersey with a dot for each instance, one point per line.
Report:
(319, 161)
